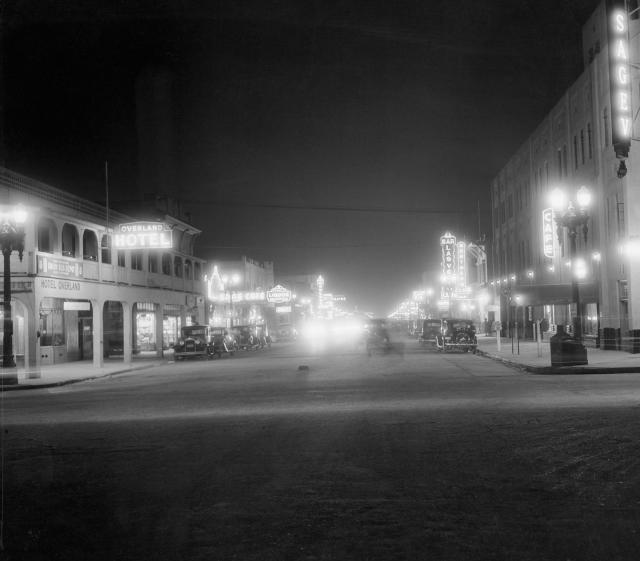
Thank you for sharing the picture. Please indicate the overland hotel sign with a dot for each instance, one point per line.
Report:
(143, 235)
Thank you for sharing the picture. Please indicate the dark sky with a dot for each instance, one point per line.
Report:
(339, 138)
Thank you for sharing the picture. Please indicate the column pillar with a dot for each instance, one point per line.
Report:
(97, 307)
(159, 330)
(127, 322)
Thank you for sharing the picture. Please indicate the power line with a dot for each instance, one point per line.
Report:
(335, 208)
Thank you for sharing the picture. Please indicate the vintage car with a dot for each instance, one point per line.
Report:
(195, 342)
(457, 334)
(223, 342)
(431, 328)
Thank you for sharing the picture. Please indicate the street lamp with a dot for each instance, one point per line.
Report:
(11, 239)
(568, 216)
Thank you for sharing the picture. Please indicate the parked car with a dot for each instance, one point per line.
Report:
(223, 342)
(457, 334)
(195, 342)
(431, 329)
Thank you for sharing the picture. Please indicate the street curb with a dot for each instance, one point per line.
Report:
(562, 369)
(45, 385)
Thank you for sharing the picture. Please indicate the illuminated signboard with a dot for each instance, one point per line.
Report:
(448, 247)
(279, 295)
(462, 264)
(547, 233)
(619, 77)
(143, 235)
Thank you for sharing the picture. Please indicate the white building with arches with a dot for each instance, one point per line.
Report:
(74, 297)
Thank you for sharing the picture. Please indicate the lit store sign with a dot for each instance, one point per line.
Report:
(448, 247)
(547, 232)
(619, 77)
(143, 235)
(279, 295)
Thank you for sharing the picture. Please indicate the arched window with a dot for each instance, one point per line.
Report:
(89, 245)
(47, 235)
(187, 269)
(69, 240)
(166, 263)
(105, 244)
(177, 267)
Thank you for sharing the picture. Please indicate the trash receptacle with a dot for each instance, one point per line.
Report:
(565, 350)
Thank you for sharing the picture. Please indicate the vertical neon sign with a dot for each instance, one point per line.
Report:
(547, 232)
(619, 77)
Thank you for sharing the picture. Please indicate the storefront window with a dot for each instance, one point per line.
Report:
(52, 322)
(145, 328)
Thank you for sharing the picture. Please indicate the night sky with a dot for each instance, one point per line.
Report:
(336, 138)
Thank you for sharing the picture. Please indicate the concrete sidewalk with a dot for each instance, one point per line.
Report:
(537, 359)
(70, 372)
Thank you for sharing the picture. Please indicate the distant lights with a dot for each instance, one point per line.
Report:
(530, 274)
(596, 256)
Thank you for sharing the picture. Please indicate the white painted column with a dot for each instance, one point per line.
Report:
(127, 322)
(159, 329)
(97, 307)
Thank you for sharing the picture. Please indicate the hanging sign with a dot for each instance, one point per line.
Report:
(619, 77)
(547, 233)
(278, 295)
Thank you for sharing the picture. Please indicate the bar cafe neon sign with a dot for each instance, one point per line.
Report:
(547, 232)
(619, 77)
(143, 235)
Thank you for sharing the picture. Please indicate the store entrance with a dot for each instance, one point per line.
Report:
(85, 338)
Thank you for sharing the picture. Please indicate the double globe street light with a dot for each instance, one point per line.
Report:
(573, 219)
(11, 239)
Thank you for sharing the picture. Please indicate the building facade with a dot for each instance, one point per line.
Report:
(76, 297)
(533, 275)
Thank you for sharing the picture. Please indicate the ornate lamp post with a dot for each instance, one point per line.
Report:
(11, 239)
(568, 216)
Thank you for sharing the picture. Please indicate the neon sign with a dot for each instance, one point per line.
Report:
(143, 235)
(619, 78)
(547, 232)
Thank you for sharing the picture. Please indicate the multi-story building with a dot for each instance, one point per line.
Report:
(585, 140)
(76, 297)
(237, 292)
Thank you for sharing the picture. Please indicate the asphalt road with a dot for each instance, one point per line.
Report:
(421, 456)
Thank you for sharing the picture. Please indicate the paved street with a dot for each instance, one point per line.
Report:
(387, 457)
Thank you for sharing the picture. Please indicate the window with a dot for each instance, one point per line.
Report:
(166, 263)
(105, 245)
(47, 233)
(187, 269)
(89, 245)
(589, 141)
(582, 145)
(177, 267)
(153, 262)
(51, 322)
(69, 240)
(564, 161)
(121, 259)
(136, 260)
(197, 271)
(575, 151)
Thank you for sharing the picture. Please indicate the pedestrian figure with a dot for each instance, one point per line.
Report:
(544, 326)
